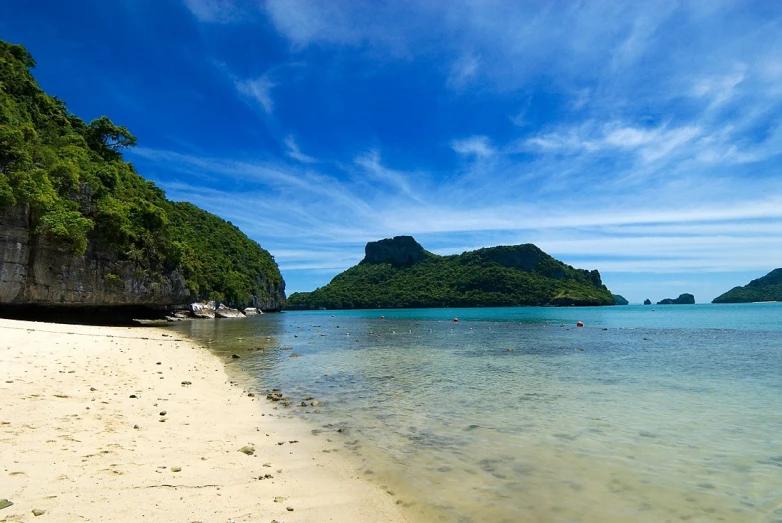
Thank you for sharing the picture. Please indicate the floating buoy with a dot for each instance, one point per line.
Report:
(456, 320)
(579, 324)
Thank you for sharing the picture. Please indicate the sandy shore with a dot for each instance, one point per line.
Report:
(118, 424)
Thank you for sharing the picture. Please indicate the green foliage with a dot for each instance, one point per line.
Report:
(107, 139)
(493, 277)
(214, 254)
(67, 225)
(112, 280)
(767, 288)
(80, 192)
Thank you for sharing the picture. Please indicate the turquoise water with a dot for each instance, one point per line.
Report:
(656, 413)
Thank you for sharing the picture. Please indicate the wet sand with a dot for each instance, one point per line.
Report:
(137, 424)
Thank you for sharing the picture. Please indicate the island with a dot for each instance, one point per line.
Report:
(683, 299)
(767, 288)
(647, 301)
(80, 229)
(620, 300)
(399, 273)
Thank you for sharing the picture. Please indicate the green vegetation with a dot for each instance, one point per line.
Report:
(492, 277)
(81, 194)
(683, 299)
(767, 288)
(620, 300)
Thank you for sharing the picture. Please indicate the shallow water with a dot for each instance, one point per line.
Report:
(662, 413)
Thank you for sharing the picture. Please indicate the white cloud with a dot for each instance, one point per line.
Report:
(373, 167)
(257, 91)
(649, 144)
(478, 146)
(294, 152)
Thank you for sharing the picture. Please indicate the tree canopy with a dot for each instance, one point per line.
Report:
(491, 277)
(767, 288)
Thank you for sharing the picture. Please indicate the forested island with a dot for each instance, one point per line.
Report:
(620, 300)
(79, 226)
(767, 288)
(683, 299)
(399, 272)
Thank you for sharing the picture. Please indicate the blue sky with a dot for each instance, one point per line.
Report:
(643, 139)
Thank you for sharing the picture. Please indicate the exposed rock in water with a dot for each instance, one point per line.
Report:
(252, 311)
(647, 301)
(203, 310)
(683, 299)
(226, 312)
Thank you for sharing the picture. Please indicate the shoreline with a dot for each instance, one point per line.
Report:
(133, 423)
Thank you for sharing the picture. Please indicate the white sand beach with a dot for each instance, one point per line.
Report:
(136, 424)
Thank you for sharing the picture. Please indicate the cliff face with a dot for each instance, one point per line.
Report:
(34, 271)
(399, 250)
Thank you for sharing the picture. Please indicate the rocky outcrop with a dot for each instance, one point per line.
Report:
(37, 271)
(647, 301)
(399, 250)
(204, 310)
(251, 311)
(683, 299)
(227, 312)
(620, 300)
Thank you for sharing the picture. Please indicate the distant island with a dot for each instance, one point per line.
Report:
(683, 299)
(399, 272)
(767, 288)
(80, 228)
(647, 301)
(620, 300)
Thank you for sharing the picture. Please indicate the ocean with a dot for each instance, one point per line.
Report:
(647, 413)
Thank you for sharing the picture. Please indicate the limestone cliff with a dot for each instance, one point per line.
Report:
(35, 271)
(399, 250)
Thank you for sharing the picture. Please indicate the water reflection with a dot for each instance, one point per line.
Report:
(530, 420)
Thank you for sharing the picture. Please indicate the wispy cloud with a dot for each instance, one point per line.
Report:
(257, 91)
(475, 145)
(463, 71)
(294, 152)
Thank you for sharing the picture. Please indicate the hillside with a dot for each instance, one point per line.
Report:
(767, 288)
(398, 272)
(79, 226)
